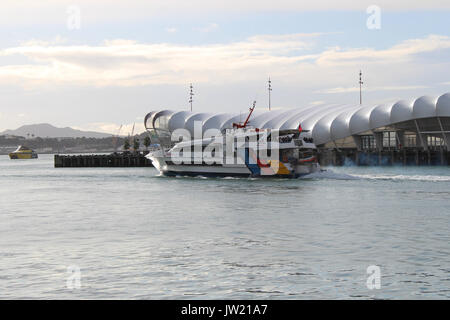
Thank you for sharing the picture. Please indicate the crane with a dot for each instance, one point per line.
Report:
(243, 125)
(132, 130)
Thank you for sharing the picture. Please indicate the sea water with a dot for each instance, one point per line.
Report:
(128, 233)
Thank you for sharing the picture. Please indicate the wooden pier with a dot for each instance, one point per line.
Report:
(99, 160)
(411, 157)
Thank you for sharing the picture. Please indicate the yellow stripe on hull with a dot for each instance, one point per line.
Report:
(279, 167)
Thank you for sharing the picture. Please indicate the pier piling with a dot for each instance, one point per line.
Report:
(102, 160)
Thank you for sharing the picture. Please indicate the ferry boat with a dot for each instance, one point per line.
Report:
(241, 151)
(23, 152)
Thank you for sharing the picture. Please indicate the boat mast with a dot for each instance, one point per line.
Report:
(269, 89)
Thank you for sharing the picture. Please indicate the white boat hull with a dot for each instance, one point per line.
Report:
(242, 152)
(223, 170)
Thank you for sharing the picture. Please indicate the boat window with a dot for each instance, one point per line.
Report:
(285, 139)
(284, 155)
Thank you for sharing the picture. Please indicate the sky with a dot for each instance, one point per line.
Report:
(96, 65)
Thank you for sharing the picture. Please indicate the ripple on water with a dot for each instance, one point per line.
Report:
(134, 234)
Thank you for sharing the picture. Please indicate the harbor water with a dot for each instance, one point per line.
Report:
(127, 233)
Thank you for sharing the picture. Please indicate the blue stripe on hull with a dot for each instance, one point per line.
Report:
(253, 167)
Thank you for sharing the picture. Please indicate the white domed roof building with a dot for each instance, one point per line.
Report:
(422, 124)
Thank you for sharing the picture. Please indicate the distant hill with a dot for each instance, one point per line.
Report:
(45, 130)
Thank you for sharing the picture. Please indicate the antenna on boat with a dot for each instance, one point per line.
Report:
(191, 94)
(269, 89)
(360, 87)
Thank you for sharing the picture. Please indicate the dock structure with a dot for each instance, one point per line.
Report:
(102, 160)
(343, 157)
(404, 157)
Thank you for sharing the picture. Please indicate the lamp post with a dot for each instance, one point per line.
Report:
(360, 87)
(191, 94)
(269, 89)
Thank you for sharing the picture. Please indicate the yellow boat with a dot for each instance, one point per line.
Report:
(23, 152)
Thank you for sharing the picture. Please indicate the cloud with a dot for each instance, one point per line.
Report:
(32, 12)
(370, 89)
(209, 28)
(397, 53)
(288, 58)
(171, 30)
(113, 128)
(317, 103)
(124, 62)
(58, 40)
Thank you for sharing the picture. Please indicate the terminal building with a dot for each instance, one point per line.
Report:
(415, 132)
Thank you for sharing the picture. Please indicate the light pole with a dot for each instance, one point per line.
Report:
(360, 87)
(191, 94)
